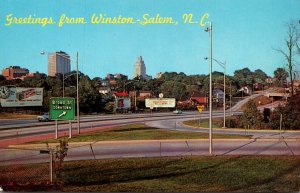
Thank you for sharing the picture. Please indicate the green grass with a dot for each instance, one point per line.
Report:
(140, 132)
(182, 174)
(216, 122)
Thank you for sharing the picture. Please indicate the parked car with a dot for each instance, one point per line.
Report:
(44, 117)
(177, 112)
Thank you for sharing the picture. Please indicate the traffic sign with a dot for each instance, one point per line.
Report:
(62, 108)
(200, 108)
(161, 95)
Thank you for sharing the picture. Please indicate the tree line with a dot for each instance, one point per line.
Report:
(171, 84)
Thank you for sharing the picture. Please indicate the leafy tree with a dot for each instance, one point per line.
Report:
(179, 91)
(96, 82)
(290, 115)
(109, 107)
(153, 85)
(244, 77)
(167, 88)
(260, 76)
(88, 96)
(2, 78)
(251, 117)
(280, 75)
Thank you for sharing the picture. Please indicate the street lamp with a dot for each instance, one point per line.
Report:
(209, 29)
(77, 83)
(223, 65)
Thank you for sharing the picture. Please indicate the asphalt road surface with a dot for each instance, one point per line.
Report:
(18, 132)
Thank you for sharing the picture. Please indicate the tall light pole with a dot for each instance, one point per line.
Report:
(77, 83)
(209, 29)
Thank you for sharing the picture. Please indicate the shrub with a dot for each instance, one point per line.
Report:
(251, 117)
(290, 115)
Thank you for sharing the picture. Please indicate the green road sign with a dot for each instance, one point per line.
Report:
(62, 108)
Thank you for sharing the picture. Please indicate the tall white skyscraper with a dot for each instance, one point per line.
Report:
(58, 62)
(140, 68)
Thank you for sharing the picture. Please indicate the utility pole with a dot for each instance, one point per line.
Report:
(210, 89)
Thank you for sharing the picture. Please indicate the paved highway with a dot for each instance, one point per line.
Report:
(20, 134)
(262, 142)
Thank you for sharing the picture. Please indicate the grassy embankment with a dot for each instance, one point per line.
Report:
(179, 174)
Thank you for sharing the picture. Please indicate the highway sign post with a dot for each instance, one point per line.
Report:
(200, 109)
(62, 109)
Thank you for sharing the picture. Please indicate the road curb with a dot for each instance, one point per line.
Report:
(78, 144)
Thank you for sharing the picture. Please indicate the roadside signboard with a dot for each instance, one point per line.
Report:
(160, 102)
(62, 108)
(161, 95)
(123, 103)
(23, 97)
(200, 108)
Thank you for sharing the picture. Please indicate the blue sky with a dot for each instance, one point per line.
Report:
(244, 35)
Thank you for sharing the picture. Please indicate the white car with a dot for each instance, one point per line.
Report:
(44, 117)
(177, 112)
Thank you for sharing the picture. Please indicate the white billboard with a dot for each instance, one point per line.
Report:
(23, 97)
(160, 102)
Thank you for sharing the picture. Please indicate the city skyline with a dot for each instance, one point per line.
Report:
(245, 35)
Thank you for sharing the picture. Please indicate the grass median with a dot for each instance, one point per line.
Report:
(178, 174)
(141, 132)
(204, 123)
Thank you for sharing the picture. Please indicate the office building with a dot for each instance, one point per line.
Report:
(58, 62)
(140, 68)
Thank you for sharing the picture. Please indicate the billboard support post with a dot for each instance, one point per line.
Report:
(62, 109)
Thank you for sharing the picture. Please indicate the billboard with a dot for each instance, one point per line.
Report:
(23, 97)
(160, 102)
(123, 103)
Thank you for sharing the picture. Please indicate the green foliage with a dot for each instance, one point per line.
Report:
(251, 117)
(290, 115)
(109, 107)
(244, 77)
(179, 91)
(280, 75)
(89, 97)
(260, 76)
(171, 84)
(167, 88)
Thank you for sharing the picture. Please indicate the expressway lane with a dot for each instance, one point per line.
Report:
(164, 121)
(15, 135)
(22, 123)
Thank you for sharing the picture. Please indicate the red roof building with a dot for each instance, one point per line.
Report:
(121, 94)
